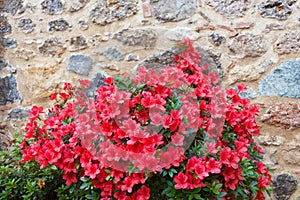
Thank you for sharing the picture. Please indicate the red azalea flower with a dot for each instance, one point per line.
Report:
(91, 170)
(213, 166)
(181, 181)
(70, 178)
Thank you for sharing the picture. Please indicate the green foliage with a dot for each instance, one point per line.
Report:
(19, 180)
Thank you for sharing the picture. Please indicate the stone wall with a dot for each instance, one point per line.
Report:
(45, 43)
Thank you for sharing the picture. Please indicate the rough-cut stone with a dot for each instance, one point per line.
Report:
(178, 34)
(107, 12)
(98, 38)
(77, 5)
(283, 81)
(248, 45)
(229, 8)
(5, 27)
(3, 64)
(248, 94)
(77, 43)
(278, 9)
(25, 54)
(113, 53)
(9, 43)
(80, 64)
(59, 25)
(273, 27)
(270, 140)
(132, 57)
(26, 25)
(136, 37)
(18, 114)
(13, 6)
(160, 60)
(285, 115)
(170, 10)
(52, 47)
(291, 156)
(216, 39)
(288, 43)
(83, 25)
(97, 81)
(8, 90)
(53, 7)
(284, 185)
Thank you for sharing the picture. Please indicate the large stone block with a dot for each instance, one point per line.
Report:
(228, 8)
(284, 81)
(284, 185)
(170, 10)
(286, 115)
(288, 43)
(52, 47)
(278, 9)
(248, 45)
(137, 37)
(80, 64)
(8, 90)
(53, 7)
(106, 12)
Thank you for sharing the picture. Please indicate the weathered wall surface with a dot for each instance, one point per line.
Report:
(45, 43)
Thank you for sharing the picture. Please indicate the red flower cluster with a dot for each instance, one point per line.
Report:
(131, 124)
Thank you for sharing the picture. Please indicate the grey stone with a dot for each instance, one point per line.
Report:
(97, 81)
(13, 6)
(77, 43)
(270, 140)
(160, 60)
(229, 8)
(136, 37)
(248, 94)
(83, 25)
(284, 185)
(18, 114)
(53, 7)
(8, 90)
(5, 27)
(80, 64)
(3, 64)
(132, 57)
(52, 47)
(59, 25)
(278, 9)
(216, 39)
(106, 12)
(284, 81)
(248, 45)
(288, 43)
(113, 53)
(77, 5)
(26, 25)
(9, 43)
(170, 10)
(179, 34)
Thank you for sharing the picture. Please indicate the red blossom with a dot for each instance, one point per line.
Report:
(181, 181)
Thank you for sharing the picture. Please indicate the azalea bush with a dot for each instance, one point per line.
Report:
(171, 134)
